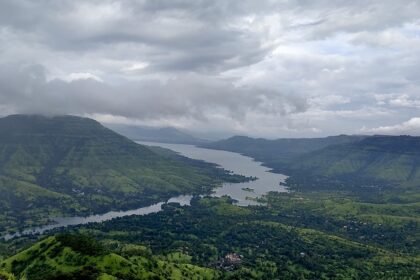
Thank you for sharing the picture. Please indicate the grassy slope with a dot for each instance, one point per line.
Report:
(72, 165)
(75, 257)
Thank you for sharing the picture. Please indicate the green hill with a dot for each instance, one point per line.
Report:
(80, 257)
(277, 153)
(70, 165)
(375, 162)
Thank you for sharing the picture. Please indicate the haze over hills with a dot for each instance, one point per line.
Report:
(156, 134)
(70, 165)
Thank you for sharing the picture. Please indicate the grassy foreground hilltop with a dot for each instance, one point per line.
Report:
(79, 257)
(68, 165)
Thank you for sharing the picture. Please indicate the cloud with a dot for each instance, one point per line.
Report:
(399, 100)
(177, 36)
(81, 76)
(266, 68)
(27, 90)
(410, 127)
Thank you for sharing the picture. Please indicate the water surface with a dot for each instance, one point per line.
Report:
(239, 164)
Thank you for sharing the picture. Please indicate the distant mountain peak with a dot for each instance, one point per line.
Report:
(156, 134)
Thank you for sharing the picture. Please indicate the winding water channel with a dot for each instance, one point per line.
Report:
(244, 193)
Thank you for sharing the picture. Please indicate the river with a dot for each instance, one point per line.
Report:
(244, 193)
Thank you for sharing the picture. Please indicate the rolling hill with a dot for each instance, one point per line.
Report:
(69, 165)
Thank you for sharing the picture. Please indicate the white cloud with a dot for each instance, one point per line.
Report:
(399, 100)
(411, 127)
(81, 76)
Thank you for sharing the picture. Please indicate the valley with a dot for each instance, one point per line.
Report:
(226, 216)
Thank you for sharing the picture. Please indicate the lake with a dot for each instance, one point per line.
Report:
(244, 193)
(239, 164)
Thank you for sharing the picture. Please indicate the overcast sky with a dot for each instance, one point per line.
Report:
(260, 68)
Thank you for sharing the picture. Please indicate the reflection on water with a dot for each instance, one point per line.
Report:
(244, 193)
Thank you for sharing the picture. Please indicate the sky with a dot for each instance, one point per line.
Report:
(304, 68)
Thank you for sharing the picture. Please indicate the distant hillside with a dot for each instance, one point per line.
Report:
(155, 134)
(276, 153)
(72, 165)
(358, 163)
(377, 161)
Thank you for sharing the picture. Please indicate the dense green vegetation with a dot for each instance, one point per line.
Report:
(296, 236)
(53, 166)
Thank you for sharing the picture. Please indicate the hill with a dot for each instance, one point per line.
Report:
(156, 134)
(70, 165)
(374, 162)
(277, 153)
(79, 257)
